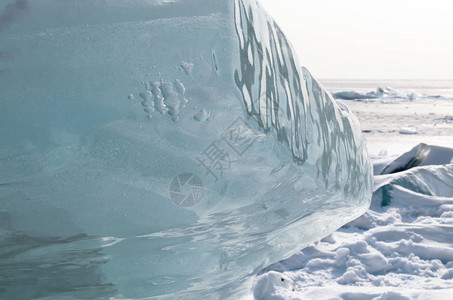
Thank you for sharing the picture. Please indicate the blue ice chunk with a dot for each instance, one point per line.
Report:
(162, 148)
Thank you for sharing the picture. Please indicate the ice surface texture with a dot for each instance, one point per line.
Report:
(162, 148)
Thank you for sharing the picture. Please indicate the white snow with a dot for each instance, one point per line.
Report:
(403, 250)
(408, 130)
(273, 285)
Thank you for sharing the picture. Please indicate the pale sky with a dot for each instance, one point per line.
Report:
(385, 39)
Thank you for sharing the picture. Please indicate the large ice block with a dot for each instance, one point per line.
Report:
(157, 148)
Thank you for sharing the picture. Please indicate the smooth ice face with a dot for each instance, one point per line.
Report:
(162, 148)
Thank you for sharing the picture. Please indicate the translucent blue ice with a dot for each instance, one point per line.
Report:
(162, 148)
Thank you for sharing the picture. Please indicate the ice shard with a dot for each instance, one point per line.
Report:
(157, 148)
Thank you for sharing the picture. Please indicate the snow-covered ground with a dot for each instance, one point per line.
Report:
(384, 124)
(402, 248)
